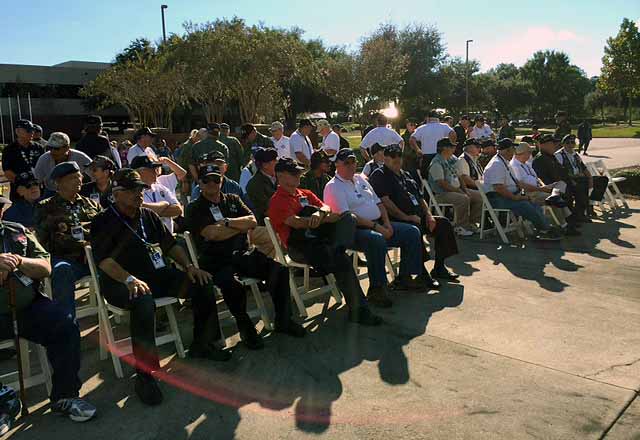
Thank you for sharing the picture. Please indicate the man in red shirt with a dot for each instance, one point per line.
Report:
(314, 235)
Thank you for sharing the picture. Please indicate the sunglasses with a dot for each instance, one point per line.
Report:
(213, 178)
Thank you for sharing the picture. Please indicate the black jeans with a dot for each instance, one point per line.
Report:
(163, 282)
(47, 323)
(584, 144)
(444, 239)
(424, 167)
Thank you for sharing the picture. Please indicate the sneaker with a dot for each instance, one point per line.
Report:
(378, 296)
(462, 232)
(363, 316)
(429, 282)
(77, 409)
(212, 353)
(291, 328)
(6, 423)
(548, 236)
(251, 339)
(148, 390)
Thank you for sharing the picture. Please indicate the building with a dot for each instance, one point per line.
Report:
(53, 91)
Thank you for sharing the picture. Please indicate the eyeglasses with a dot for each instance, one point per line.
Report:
(212, 178)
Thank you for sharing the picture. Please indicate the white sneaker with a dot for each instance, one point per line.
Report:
(462, 232)
(77, 409)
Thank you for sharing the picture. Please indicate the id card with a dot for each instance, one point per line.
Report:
(413, 199)
(95, 197)
(216, 213)
(155, 253)
(304, 202)
(77, 233)
(24, 280)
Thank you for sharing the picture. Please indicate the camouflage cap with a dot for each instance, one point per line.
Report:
(126, 178)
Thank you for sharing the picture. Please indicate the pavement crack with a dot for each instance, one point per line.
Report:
(612, 367)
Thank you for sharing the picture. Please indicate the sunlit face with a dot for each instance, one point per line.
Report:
(100, 174)
(71, 183)
(289, 180)
(211, 185)
(472, 150)
(411, 127)
(277, 134)
(148, 175)
(30, 192)
(523, 157)
(346, 168)
(60, 154)
(24, 136)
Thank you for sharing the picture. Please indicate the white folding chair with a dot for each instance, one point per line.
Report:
(391, 264)
(89, 309)
(252, 283)
(548, 211)
(121, 347)
(298, 292)
(608, 195)
(439, 208)
(512, 222)
(613, 182)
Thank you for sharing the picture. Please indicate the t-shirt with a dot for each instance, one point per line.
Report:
(331, 142)
(482, 132)
(21, 212)
(524, 172)
(284, 205)
(136, 150)
(441, 169)
(160, 193)
(170, 181)
(429, 134)
(355, 195)
(283, 147)
(300, 144)
(382, 136)
(199, 215)
(499, 172)
(46, 164)
(403, 191)
(19, 159)
(113, 235)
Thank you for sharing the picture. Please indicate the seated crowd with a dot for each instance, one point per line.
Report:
(318, 204)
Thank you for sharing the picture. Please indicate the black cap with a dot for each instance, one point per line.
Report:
(375, 148)
(288, 165)
(24, 179)
(224, 126)
(336, 127)
(433, 114)
(213, 126)
(209, 170)
(528, 139)
(246, 130)
(445, 143)
(264, 155)
(37, 128)
(144, 131)
(144, 162)
(557, 138)
(64, 169)
(479, 118)
(545, 138)
(212, 156)
(569, 139)
(318, 157)
(472, 141)
(488, 143)
(505, 143)
(94, 120)
(126, 178)
(306, 123)
(393, 150)
(25, 124)
(103, 162)
(345, 154)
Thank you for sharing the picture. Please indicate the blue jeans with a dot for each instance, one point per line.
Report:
(529, 211)
(405, 236)
(64, 275)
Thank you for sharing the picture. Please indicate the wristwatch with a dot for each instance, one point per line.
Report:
(130, 279)
(226, 222)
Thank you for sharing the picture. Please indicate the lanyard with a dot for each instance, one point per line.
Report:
(506, 165)
(144, 234)
(306, 141)
(526, 169)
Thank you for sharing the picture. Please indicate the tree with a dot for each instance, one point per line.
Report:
(139, 49)
(596, 101)
(621, 65)
(452, 87)
(508, 91)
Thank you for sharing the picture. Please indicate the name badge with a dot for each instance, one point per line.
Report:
(304, 202)
(216, 213)
(24, 280)
(413, 199)
(95, 197)
(155, 253)
(77, 233)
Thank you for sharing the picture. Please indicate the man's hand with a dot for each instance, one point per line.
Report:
(386, 231)
(315, 220)
(199, 276)
(9, 262)
(138, 288)
(431, 222)
(415, 219)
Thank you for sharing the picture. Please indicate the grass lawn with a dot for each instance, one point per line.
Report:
(608, 131)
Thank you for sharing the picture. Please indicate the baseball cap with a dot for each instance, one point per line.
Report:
(545, 138)
(322, 123)
(209, 170)
(94, 120)
(24, 179)
(144, 162)
(569, 139)
(393, 150)
(523, 147)
(305, 123)
(144, 131)
(224, 126)
(472, 141)
(37, 128)
(479, 118)
(505, 143)
(344, 154)
(102, 162)
(488, 143)
(528, 139)
(264, 155)
(288, 165)
(318, 157)
(212, 156)
(64, 169)
(213, 127)
(126, 178)
(276, 125)
(376, 148)
(445, 143)
(25, 124)
(58, 139)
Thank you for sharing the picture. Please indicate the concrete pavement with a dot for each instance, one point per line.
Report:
(538, 341)
(616, 153)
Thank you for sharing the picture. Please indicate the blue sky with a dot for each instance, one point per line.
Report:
(48, 32)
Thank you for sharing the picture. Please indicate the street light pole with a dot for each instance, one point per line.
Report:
(164, 29)
(466, 79)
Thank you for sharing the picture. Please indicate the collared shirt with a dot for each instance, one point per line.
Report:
(499, 172)
(355, 195)
(236, 156)
(21, 212)
(136, 150)
(300, 144)
(468, 165)
(170, 181)
(524, 172)
(331, 142)
(284, 205)
(443, 169)
(429, 134)
(403, 191)
(283, 147)
(46, 164)
(104, 199)
(481, 132)
(259, 191)
(207, 146)
(160, 193)
(382, 136)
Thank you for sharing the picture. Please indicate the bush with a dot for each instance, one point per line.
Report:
(632, 184)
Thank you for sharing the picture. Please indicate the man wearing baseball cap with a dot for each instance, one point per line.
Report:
(487, 152)
(21, 155)
(481, 130)
(314, 235)
(208, 144)
(330, 140)
(22, 210)
(263, 183)
(143, 142)
(93, 143)
(99, 189)
(228, 186)
(37, 135)
(503, 191)
(237, 158)
(280, 141)
(59, 152)
(252, 139)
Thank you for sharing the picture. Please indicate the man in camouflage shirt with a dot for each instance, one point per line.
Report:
(252, 139)
(62, 226)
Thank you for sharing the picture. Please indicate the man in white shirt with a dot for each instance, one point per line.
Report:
(143, 141)
(351, 192)
(330, 139)
(158, 197)
(481, 130)
(300, 143)
(170, 180)
(467, 167)
(381, 135)
(280, 141)
(428, 135)
(503, 191)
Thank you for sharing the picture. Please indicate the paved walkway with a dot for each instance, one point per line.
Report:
(616, 153)
(538, 341)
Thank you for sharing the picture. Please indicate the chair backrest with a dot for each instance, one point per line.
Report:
(191, 248)
(280, 258)
(432, 198)
(483, 194)
(93, 270)
(599, 165)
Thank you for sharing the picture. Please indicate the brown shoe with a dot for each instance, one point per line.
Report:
(378, 296)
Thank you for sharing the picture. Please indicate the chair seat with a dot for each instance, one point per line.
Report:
(619, 179)
(247, 281)
(160, 302)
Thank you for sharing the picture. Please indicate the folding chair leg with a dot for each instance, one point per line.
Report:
(257, 296)
(44, 365)
(331, 280)
(24, 353)
(498, 226)
(306, 279)
(482, 217)
(302, 310)
(391, 268)
(175, 330)
(107, 331)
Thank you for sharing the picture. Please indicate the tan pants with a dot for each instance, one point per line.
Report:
(259, 237)
(475, 210)
(561, 214)
(461, 205)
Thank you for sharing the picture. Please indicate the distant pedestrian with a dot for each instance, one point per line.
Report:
(585, 134)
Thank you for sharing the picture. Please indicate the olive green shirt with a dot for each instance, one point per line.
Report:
(507, 132)
(314, 184)
(260, 141)
(235, 156)
(259, 191)
(16, 239)
(207, 146)
(56, 218)
(563, 129)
